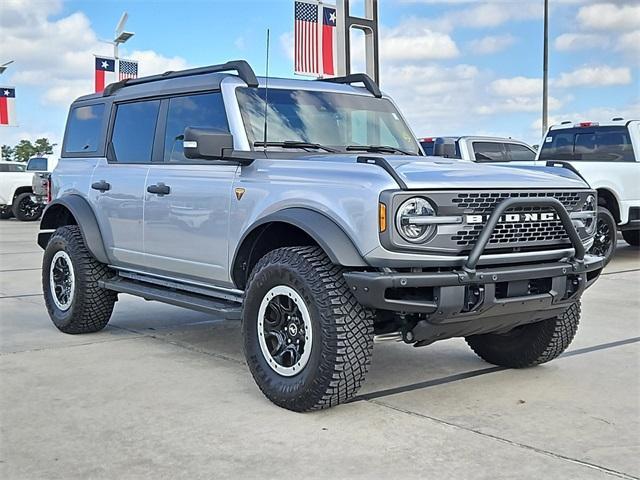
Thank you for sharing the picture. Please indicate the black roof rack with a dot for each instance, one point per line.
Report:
(368, 82)
(245, 72)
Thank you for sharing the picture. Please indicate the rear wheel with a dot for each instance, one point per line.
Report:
(604, 243)
(307, 341)
(5, 212)
(632, 237)
(528, 345)
(25, 209)
(70, 276)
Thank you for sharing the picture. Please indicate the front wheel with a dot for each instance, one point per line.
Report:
(632, 237)
(604, 242)
(25, 209)
(70, 276)
(307, 341)
(528, 345)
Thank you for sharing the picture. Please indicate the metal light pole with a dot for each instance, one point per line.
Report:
(545, 70)
(4, 66)
(121, 35)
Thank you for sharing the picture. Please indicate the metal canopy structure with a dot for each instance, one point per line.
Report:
(368, 25)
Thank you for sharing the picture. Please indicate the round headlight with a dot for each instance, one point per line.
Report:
(408, 220)
(589, 204)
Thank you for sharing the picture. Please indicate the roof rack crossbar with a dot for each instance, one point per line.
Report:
(245, 72)
(365, 79)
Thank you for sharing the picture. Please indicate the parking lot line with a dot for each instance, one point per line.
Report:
(498, 438)
(482, 371)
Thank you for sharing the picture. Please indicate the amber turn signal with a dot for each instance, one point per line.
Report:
(382, 217)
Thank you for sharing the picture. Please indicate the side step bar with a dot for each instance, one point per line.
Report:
(227, 309)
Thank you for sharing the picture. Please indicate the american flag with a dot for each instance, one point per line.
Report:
(306, 27)
(128, 69)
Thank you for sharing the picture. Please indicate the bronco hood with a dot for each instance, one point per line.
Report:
(445, 173)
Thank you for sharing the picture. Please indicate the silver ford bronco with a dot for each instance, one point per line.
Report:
(307, 210)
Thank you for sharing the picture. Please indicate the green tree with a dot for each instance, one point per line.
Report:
(7, 153)
(24, 151)
(42, 147)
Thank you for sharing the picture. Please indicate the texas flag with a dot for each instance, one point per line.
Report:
(105, 72)
(329, 42)
(7, 106)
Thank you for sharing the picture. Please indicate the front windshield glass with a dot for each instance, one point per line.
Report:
(334, 120)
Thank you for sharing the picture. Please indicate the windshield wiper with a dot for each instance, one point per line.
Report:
(295, 144)
(378, 148)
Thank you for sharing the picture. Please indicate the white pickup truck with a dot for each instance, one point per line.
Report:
(16, 191)
(607, 156)
(478, 149)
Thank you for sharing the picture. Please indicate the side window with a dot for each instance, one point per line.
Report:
(519, 153)
(204, 110)
(84, 128)
(489, 151)
(134, 131)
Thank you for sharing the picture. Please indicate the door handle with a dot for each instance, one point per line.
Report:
(159, 189)
(101, 186)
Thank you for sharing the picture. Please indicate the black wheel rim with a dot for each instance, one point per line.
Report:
(62, 280)
(28, 209)
(603, 240)
(284, 330)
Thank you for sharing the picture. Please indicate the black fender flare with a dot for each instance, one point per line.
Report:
(332, 238)
(84, 217)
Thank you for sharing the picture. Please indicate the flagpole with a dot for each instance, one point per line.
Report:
(545, 70)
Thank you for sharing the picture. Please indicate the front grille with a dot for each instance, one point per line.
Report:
(516, 234)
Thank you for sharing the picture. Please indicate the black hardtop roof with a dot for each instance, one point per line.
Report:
(204, 78)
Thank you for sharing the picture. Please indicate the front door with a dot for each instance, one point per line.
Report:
(117, 185)
(186, 208)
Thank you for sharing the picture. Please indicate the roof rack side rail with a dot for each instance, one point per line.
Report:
(245, 72)
(368, 82)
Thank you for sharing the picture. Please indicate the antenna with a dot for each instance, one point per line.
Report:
(266, 96)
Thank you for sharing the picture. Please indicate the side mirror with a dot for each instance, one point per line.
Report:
(206, 143)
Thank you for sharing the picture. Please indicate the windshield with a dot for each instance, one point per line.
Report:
(333, 120)
(595, 144)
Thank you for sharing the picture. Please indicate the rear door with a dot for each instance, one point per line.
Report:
(186, 228)
(117, 184)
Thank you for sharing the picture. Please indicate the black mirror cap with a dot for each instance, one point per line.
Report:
(206, 143)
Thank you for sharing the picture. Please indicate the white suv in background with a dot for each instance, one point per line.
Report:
(607, 156)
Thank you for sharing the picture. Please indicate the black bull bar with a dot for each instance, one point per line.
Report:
(470, 300)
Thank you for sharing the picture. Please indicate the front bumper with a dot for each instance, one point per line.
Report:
(456, 292)
(470, 299)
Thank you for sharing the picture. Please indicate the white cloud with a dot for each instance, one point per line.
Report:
(581, 41)
(600, 76)
(610, 17)
(516, 87)
(401, 44)
(491, 44)
(630, 43)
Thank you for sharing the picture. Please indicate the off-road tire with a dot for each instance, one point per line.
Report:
(605, 217)
(342, 339)
(6, 212)
(528, 345)
(91, 307)
(19, 212)
(632, 237)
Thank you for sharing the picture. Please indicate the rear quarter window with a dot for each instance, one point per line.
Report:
(84, 129)
(593, 144)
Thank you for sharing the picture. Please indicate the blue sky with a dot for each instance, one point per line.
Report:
(453, 66)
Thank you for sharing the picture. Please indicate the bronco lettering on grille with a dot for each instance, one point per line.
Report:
(515, 218)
